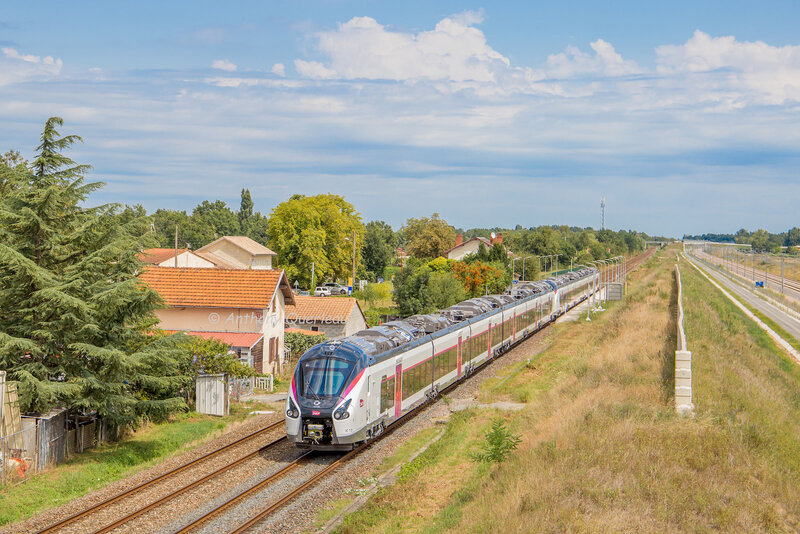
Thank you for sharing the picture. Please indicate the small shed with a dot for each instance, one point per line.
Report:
(46, 445)
(211, 394)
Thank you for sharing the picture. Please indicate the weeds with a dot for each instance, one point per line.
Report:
(500, 442)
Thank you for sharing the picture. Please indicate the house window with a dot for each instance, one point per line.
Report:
(315, 329)
(245, 356)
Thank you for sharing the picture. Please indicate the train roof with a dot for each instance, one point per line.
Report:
(384, 341)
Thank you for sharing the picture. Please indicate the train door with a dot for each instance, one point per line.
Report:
(398, 382)
(460, 355)
(514, 328)
(374, 396)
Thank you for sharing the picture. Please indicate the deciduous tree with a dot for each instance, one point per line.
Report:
(379, 245)
(428, 237)
(319, 230)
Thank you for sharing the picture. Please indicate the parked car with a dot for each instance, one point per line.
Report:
(336, 289)
(322, 291)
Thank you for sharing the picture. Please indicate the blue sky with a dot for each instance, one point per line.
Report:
(682, 114)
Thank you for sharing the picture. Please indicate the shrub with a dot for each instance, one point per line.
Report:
(498, 445)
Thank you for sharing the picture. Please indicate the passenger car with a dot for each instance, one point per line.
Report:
(336, 289)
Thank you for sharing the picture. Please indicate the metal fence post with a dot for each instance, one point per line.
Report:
(781, 274)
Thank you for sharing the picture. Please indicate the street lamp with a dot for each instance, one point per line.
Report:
(599, 297)
(523, 266)
(512, 268)
(354, 260)
(604, 281)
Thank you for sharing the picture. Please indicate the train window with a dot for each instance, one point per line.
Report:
(387, 394)
(324, 377)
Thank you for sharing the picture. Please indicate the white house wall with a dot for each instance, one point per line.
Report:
(187, 259)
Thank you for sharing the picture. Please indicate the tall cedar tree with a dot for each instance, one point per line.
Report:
(72, 314)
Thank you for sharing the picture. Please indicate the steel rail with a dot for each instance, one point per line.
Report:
(339, 462)
(83, 513)
(243, 495)
(163, 500)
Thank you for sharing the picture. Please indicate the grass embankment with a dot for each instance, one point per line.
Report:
(112, 461)
(602, 449)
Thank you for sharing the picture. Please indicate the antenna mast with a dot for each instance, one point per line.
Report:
(603, 213)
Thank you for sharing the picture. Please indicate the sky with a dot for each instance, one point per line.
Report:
(683, 115)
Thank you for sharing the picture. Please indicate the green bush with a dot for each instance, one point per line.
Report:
(498, 445)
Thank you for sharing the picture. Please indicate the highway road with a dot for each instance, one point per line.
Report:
(748, 296)
(745, 274)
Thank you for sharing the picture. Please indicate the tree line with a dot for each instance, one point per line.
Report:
(77, 330)
(761, 240)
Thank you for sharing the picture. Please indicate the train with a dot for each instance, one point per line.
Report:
(347, 391)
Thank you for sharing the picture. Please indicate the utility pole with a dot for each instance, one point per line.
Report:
(354, 260)
(176, 245)
(313, 287)
(603, 213)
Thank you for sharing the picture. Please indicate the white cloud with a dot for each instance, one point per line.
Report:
(16, 67)
(739, 71)
(454, 56)
(314, 69)
(279, 69)
(362, 48)
(574, 62)
(224, 64)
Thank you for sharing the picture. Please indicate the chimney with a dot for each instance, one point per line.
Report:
(498, 240)
(459, 239)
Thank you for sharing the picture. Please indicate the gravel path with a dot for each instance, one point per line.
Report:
(232, 433)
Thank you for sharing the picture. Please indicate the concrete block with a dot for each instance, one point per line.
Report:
(683, 391)
(683, 373)
(685, 409)
(683, 382)
(683, 365)
(683, 355)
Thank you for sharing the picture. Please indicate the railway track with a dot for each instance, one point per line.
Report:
(299, 489)
(88, 512)
(773, 280)
(252, 490)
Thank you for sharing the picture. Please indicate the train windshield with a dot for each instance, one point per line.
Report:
(325, 377)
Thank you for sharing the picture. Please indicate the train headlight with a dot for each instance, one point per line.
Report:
(341, 412)
(293, 411)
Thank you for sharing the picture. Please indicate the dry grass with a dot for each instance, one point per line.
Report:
(602, 448)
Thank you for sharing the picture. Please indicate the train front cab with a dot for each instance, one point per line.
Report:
(326, 392)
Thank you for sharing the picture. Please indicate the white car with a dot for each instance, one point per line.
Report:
(336, 289)
(322, 291)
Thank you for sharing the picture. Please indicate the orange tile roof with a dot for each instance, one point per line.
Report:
(217, 288)
(303, 331)
(309, 309)
(157, 255)
(234, 339)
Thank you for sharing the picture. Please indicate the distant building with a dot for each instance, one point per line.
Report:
(334, 316)
(165, 257)
(244, 308)
(238, 252)
(471, 246)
